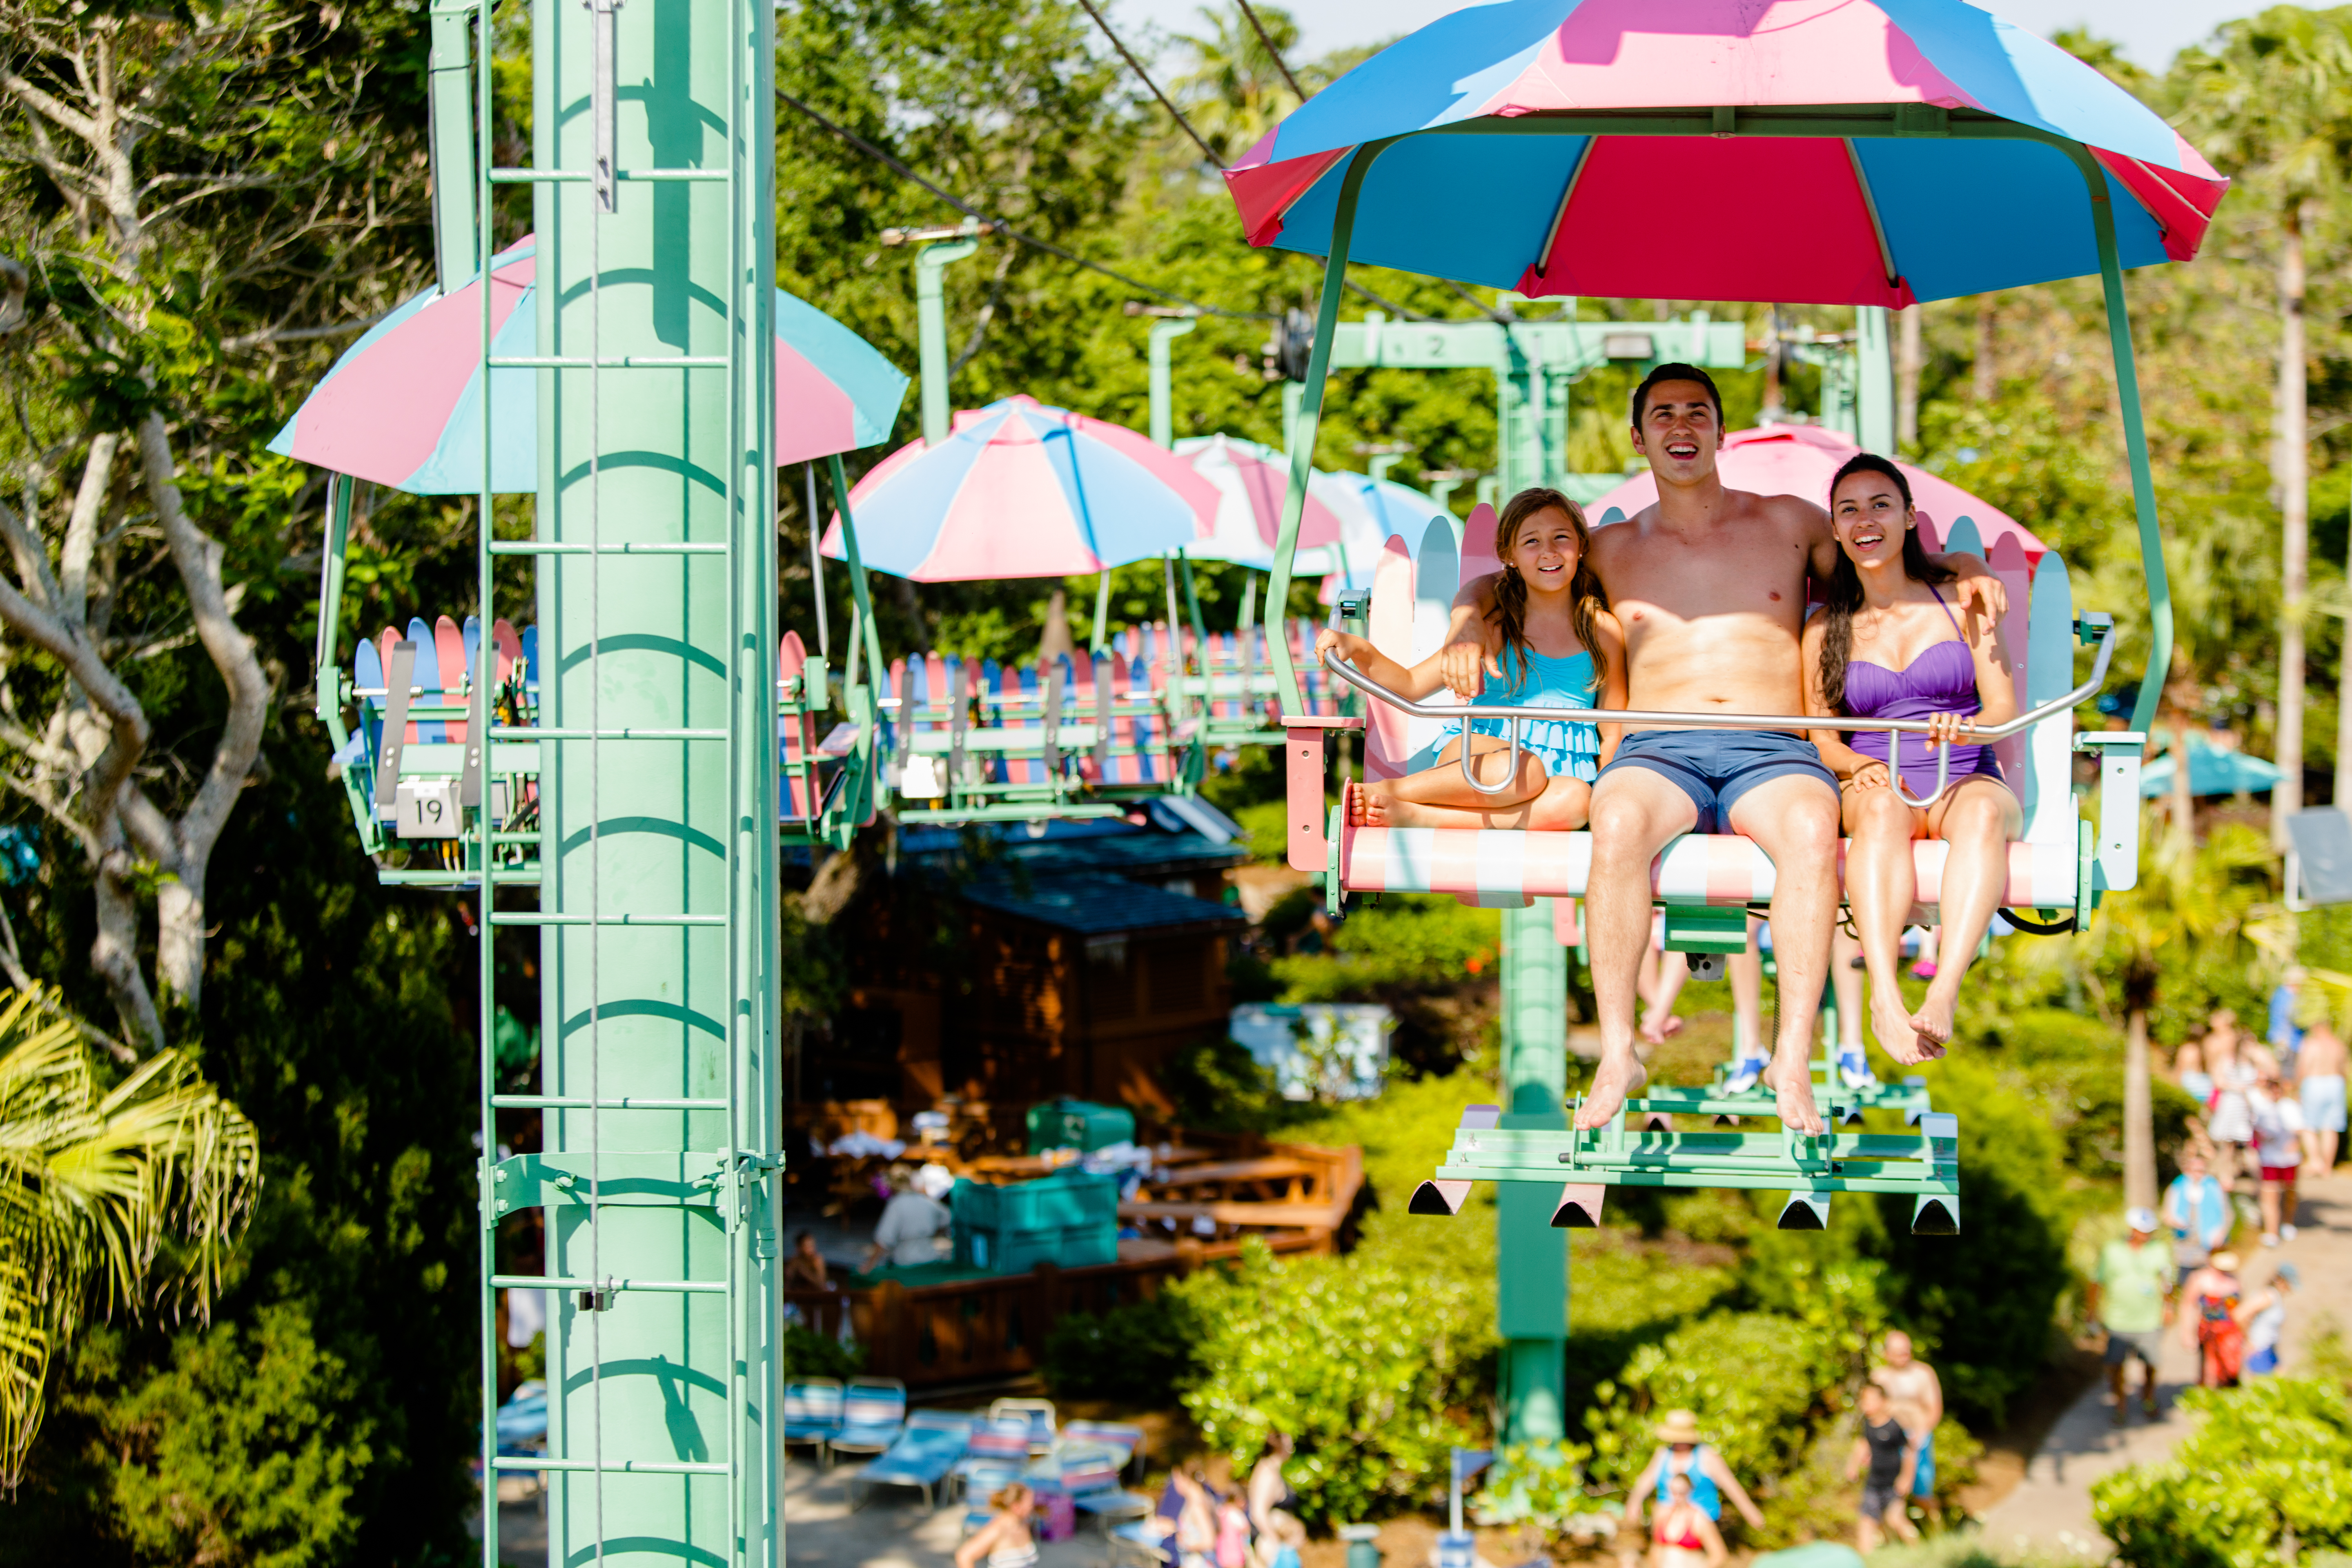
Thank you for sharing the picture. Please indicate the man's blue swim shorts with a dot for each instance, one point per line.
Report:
(1716, 767)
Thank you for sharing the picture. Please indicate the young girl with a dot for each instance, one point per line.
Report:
(1550, 643)
(1886, 645)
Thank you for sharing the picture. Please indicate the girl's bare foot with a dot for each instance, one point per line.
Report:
(1366, 809)
(1791, 1079)
(1617, 1079)
(1658, 1030)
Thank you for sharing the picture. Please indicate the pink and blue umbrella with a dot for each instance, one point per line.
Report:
(403, 406)
(1932, 195)
(1022, 490)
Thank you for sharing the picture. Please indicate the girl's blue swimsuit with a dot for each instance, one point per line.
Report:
(1568, 748)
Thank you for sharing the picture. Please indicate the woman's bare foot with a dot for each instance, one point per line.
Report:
(1659, 1028)
(1617, 1079)
(1791, 1079)
(1897, 1032)
(1934, 1018)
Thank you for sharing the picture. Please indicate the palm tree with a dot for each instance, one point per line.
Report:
(2271, 102)
(94, 1181)
(2191, 896)
(1237, 91)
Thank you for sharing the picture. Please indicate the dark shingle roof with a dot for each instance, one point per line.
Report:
(1095, 904)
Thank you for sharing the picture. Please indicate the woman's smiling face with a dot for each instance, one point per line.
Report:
(1546, 550)
(1869, 516)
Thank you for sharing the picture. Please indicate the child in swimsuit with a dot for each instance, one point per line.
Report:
(1886, 645)
(1550, 642)
(1683, 1536)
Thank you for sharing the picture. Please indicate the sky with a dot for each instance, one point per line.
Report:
(2150, 31)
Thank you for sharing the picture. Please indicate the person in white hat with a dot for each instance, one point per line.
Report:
(2130, 1296)
(1682, 1452)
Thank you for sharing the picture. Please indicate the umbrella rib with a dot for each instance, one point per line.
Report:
(1560, 213)
(1870, 206)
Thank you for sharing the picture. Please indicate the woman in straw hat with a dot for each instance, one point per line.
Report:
(1682, 1452)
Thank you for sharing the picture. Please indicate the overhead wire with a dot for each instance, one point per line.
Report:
(1145, 78)
(1006, 229)
(1279, 64)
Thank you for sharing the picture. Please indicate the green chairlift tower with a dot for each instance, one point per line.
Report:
(652, 556)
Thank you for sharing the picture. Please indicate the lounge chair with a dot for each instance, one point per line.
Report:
(1091, 1477)
(1120, 1435)
(873, 1414)
(812, 1412)
(1039, 1412)
(926, 1452)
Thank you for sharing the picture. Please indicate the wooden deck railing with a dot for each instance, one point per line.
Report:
(972, 1331)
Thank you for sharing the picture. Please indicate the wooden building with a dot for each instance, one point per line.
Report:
(1074, 963)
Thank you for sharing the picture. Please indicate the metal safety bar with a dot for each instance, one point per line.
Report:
(1515, 715)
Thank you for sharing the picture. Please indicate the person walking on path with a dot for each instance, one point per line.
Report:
(2278, 1123)
(1917, 1398)
(2208, 1322)
(1683, 1536)
(2128, 1297)
(1004, 1541)
(2319, 1086)
(2199, 1211)
(1883, 1459)
(1682, 1452)
(2228, 1121)
(2264, 1318)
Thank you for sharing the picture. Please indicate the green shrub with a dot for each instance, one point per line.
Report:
(1538, 1484)
(1412, 943)
(2054, 1034)
(808, 1353)
(1217, 1085)
(1136, 1353)
(2259, 1481)
(1366, 1366)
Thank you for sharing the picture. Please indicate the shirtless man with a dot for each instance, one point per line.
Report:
(2319, 1080)
(1917, 1398)
(1710, 585)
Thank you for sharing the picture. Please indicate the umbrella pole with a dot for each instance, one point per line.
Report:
(2151, 537)
(863, 633)
(816, 562)
(1193, 603)
(1249, 602)
(1101, 639)
(1310, 414)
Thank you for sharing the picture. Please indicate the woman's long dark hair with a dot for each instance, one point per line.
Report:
(1587, 598)
(1842, 595)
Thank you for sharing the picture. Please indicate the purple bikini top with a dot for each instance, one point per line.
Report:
(1942, 680)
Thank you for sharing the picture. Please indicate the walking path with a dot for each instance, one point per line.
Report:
(2051, 1508)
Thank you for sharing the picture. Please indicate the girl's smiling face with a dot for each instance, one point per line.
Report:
(1546, 550)
(1868, 515)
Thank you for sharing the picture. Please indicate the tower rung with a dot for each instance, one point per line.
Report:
(581, 1102)
(617, 362)
(657, 1287)
(614, 1466)
(582, 177)
(533, 732)
(650, 547)
(520, 918)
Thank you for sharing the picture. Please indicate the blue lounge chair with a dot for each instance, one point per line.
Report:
(927, 1451)
(1125, 1439)
(812, 1411)
(873, 1414)
(1039, 1414)
(522, 1419)
(1091, 1477)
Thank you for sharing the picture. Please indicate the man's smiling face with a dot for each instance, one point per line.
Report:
(1679, 432)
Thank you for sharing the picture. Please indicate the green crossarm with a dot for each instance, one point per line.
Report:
(1811, 1169)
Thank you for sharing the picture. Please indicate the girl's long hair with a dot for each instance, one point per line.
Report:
(1586, 597)
(1842, 595)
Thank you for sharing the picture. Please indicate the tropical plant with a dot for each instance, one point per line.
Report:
(115, 1198)
(1238, 88)
(2259, 1483)
(2192, 898)
(2271, 103)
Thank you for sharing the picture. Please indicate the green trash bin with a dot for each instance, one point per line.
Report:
(1078, 1124)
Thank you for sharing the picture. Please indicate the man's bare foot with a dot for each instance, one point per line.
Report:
(1617, 1079)
(1791, 1079)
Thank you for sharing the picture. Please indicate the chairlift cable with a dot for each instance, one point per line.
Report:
(1259, 28)
(871, 151)
(1145, 78)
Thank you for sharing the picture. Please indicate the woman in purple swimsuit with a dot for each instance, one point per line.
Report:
(1887, 645)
